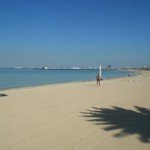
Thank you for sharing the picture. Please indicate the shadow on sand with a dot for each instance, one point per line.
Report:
(129, 121)
(1, 95)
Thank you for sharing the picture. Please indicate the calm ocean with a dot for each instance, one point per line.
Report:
(16, 78)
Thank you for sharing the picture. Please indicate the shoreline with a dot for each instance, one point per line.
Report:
(58, 84)
(135, 73)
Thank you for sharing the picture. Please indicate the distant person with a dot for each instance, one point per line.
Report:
(98, 79)
(129, 75)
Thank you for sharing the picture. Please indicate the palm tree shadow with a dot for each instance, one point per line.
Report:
(129, 121)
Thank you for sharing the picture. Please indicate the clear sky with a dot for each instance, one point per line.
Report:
(74, 33)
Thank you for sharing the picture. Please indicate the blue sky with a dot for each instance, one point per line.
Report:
(74, 33)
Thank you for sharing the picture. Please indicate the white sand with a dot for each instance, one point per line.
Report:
(72, 116)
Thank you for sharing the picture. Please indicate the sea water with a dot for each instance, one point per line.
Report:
(16, 78)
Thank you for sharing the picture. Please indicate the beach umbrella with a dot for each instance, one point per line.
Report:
(100, 70)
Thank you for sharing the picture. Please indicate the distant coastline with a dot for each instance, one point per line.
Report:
(109, 67)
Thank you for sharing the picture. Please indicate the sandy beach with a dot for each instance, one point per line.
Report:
(78, 116)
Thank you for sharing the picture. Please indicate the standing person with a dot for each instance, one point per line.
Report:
(98, 79)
